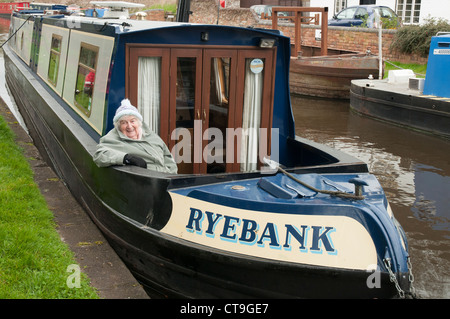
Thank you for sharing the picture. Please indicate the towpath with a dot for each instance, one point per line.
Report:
(96, 258)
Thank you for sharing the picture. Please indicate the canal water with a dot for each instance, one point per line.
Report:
(413, 168)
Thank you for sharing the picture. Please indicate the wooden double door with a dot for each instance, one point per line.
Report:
(211, 106)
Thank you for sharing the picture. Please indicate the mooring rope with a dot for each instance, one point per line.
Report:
(399, 67)
(323, 191)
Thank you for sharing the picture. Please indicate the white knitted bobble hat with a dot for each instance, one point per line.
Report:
(126, 108)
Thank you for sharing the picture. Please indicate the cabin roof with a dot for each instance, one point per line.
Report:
(124, 26)
(138, 25)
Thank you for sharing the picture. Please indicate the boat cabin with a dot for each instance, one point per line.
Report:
(206, 90)
(207, 93)
(218, 96)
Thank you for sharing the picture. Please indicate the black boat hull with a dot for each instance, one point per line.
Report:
(426, 114)
(167, 266)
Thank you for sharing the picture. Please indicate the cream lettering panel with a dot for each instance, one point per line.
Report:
(332, 241)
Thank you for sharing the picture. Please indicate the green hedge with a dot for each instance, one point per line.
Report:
(416, 39)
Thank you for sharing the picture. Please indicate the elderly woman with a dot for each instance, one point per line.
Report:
(131, 142)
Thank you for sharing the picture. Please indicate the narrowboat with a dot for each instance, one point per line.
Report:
(254, 210)
(48, 7)
(419, 104)
(330, 76)
(6, 8)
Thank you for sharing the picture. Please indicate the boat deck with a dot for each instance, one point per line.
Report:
(399, 88)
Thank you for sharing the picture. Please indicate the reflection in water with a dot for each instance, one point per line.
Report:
(414, 170)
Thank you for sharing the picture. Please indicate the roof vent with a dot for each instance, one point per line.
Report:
(416, 84)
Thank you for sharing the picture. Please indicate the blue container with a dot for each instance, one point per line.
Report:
(437, 80)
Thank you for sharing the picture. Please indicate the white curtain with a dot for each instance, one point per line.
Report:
(221, 78)
(149, 90)
(251, 118)
(218, 80)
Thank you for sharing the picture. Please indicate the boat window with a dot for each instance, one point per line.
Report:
(86, 77)
(251, 117)
(185, 91)
(218, 112)
(21, 43)
(35, 44)
(185, 107)
(53, 65)
(208, 105)
(149, 91)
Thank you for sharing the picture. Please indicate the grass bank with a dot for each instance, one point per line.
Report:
(419, 69)
(34, 262)
(168, 7)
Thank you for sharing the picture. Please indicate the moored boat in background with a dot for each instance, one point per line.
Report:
(421, 104)
(310, 222)
(330, 76)
(323, 71)
(6, 8)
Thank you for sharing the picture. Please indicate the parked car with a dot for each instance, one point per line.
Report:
(365, 16)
